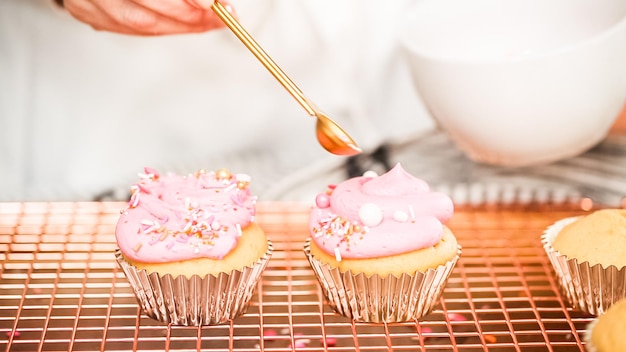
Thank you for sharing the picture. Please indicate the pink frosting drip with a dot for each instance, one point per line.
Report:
(173, 218)
(402, 213)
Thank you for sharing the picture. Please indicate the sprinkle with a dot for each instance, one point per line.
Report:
(239, 232)
(456, 317)
(236, 198)
(153, 241)
(134, 200)
(196, 250)
(337, 254)
(137, 247)
(152, 173)
(322, 200)
(490, 338)
(230, 187)
(331, 342)
(411, 212)
(301, 343)
(370, 214)
(13, 333)
(370, 174)
(427, 330)
(400, 216)
(143, 188)
(170, 244)
(215, 225)
(147, 222)
(243, 178)
(163, 236)
(269, 334)
(182, 239)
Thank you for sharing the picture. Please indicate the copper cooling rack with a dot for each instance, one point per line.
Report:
(60, 290)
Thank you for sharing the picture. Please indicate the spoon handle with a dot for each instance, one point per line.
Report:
(260, 54)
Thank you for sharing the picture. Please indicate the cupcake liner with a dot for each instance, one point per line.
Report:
(194, 301)
(589, 346)
(589, 288)
(378, 299)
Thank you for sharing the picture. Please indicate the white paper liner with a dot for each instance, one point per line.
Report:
(208, 300)
(380, 299)
(589, 347)
(589, 288)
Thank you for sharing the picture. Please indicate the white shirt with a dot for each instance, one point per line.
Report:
(82, 111)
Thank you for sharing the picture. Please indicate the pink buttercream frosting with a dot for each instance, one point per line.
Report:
(377, 216)
(173, 217)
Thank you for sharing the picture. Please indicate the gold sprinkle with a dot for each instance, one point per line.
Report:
(137, 247)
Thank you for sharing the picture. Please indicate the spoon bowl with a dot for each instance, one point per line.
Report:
(333, 138)
(329, 134)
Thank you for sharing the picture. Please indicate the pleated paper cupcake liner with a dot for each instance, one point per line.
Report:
(195, 301)
(588, 288)
(379, 299)
(589, 346)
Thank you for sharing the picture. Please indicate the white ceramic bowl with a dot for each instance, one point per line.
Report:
(520, 82)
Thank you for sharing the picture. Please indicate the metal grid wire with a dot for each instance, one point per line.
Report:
(60, 290)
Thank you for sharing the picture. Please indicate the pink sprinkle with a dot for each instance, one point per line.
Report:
(151, 171)
(331, 342)
(426, 330)
(13, 333)
(456, 317)
(301, 343)
(237, 199)
(134, 200)
(269, 334)
(322, 200)
(169, 245)
(143, 188)
(182, 239)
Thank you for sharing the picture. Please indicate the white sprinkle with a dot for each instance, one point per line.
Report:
(239, 232)
(411, 212)
(230, 187)
(196, 250)
(146, 222)
(337, 254)
(243, 178)
(400, 216)
(370, 174)
(370, 214)
(215, 225)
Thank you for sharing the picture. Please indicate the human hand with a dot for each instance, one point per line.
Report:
(146, 17)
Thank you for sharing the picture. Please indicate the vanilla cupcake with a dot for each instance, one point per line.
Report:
(606, 333)
(589, 257)
(380, 248)
(190, 247)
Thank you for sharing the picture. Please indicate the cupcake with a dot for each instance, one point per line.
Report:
(190, 247)
(589, 257)
(379, 246)
(606, 333)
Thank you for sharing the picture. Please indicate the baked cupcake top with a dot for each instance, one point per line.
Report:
(607, 331)
(375, 216)
(173, 217)
(597, 238)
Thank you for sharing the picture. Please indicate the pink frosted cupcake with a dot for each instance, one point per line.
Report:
(380, 248)
(190, 247)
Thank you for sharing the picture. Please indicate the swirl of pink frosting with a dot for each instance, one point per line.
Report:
(377, 216)
(173, 218)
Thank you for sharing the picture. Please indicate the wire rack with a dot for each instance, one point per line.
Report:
(61, 290)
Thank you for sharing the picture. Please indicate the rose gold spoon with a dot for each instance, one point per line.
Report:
(329, 134)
